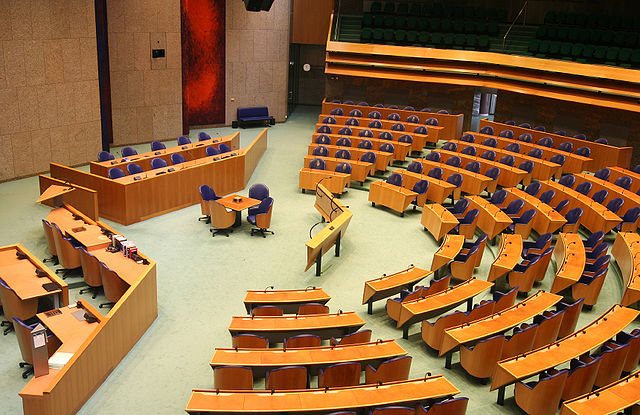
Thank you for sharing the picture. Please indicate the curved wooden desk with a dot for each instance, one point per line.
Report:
(491, 219)
(509, 176)
(570, 260)
(276, 328)
(617, 172)
(433, 132)
(573, 163)
(449, 249)
(582, 341)
(289, 300)
(334, 181)
(438, 220)
(542, 169)
(439, 190)
(419, 140)
(626, 251)
(309, 400)
(498, 322)
(436, 304)
(603, 155)
(630, 199)
(611, 399)
(359, 169)
(394, 197)
(472, 183)
(388, 285)
(508, 255)
(261, 360)
(546, 218)
(595, 217)
(383, 159)
(400, 149)
(451, 123)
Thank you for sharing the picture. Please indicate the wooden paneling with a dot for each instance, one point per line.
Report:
(253, 154)
(311, 20)
(83, 199)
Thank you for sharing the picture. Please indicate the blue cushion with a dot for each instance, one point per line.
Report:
(253, 113)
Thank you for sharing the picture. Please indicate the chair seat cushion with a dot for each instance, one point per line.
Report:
(256, 118)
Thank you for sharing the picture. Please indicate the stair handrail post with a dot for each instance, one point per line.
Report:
(522, 9)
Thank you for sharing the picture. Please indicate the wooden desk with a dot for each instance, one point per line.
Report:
(328, 205)
(433, 132)
(359, 169)
(190, 152)
(329, 236)
(611, 399)
(582, 341)
(595, 217)
(244, 202)
(400, 149)
(394, 197)
(438, 220)
(451, 123)
(436, 304)
(276, 328)
(498, 322)
(20, 276)
(419, 140)
(83, 229)
(335, 182)
(491, 219)
(507, 257)
(439, 190)
(542, 169)
(603, 155)
(573, 163)
(630, 199)
(288, 300)
(617, 172)
(83, 199)
(472, 183)
(309, 400)
(449, 249)
(546, 220)
(626, 250)
(570, 259)
(262, 360)
(509, 176)
(383, 159)
(388, 285)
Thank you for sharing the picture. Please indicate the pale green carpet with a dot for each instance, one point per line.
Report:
(202, 280)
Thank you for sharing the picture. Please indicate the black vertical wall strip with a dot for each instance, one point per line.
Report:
(102, 40)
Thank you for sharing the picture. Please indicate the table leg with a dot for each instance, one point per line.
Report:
(238, 221)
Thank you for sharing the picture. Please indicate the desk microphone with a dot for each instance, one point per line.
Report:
(268, 288)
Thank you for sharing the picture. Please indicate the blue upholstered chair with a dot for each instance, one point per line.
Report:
(615, 204)
(183, 141)
(603, 174)
(569, 180)
(498, 197)
(558, 159)
(513, 147)
(436, 173)
(398, 127)
(468, 137)
(561, 132)
(449, 146)
(629, 219)
(469, 150)
(487, 129)
(525, 137)
(337, 111)
(157, 146)
(506, 134)
(328, 120)
(177, 158)
(261, 217)
(454, 161)
(420, 188)
(624, 182)
(473, 166)
(105, 156)
(387, 148)
(345, 131)
(365, 144)
(600, 196)
(202, 136)
(365, 133)
(415, 167)
(324, 129)
(158, 163)
(394, 116)
(352, 122)
(540, 128)
(223, 148)
(547, 197)
(573, 219)
(566, 146)
(583, 151)
(489, 155)
(375, 124)
(323, 139)
(375, 115)
(318, 164)
(510, 122)
(525, 125)
(355, 113)
(535, 152)
(320, 151)
(413, 119)
(129, 151)
(395, 179)
(508, 160)
(433, 156)
(368, 157)
(490, 142)
(459, 208)
(533, 188)
(432, 122)
(584, 188)
(513, 208)
(133, 168)
(538, 246)
(545, 142)
(344, 142)
(526, 165)
(116, 173)
(385, 135)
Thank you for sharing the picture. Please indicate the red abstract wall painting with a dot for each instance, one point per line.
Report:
(203, 62)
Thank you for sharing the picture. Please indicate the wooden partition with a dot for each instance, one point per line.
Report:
(253, 154)
(85, 200)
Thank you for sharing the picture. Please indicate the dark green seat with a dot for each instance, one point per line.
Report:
(424, 38)
(376, 7)
(378, 35)
(576, 50)
(573, 34)
(554, 48)
(635, 58)
(565, 49)
(471, 41)
(366, 35)
(483, 42)
(552, 33)
(459, 39)
(367, 20)
(389, 21)
(412, 23)
(378, 20)
(625, 55)
(541, 32)
(588, 51)
(400, 36)
(446, 26)
(400, 22)
(492, 29)
(448, 40)
(544, 47)
(412, 37)
(389, 7)
(481, 28)
(403, 8)
(612, 54)
(534, 46)
(435, 24)
(583, 35)
(563, 33)
(619, 38)
(600, 53)
(607, 37)
(595, 36)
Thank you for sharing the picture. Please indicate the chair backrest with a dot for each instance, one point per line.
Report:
(601, 140)
(158, 163)
(157, 145)
(468, 137)
(267, 310)
(469, 150)
(507, 160)
(368, 157)
(208, 193)
(202, 136)
(323, 139)
(526, 165)
(498, 197)
(514, 207)
(345, 131)
(233, 378)
(527, 216)
(387, 148)
(583, 151)
(398, 127)
(535, 152)
(566, 146)
(506, 134)
(558, 159)
(545, 142)
(116, 173)
(449, 146)
(415, 166)
(569, 180)
(455, 406)
(395, 179)
(525, 125)
(353, 122)
(183, 141)
(355, 113)
(249, 341)
(313, 308)
(366, 132)
(470, 216)
(561, 132)
(540, 128)
(624, 182)
(105, 156)
(344, 168)
(405, 138)
(436, 173)
(302, 340)
(223, 148)
(520, 341)
(133, 168)
(344, 142)
(460, 206)
(513, 147)
(212, 151)
(413, 119)
(487, 130)
(375, 124)
(365, 144)
(128, 152)
(603, 173)
(259, 191)
(375, 115)
(631, 215)
(343, 154)
(385, 135)
(561, 205)
(533, 188)
(390, 370)
(454, 161)
(286, 377)
(392, 410)
(421, 187)
(455, 179)
(615, 204)
(431, 121)
(321, 151)
(114, 287)
(489, 155)
(584, 188)
(177, 158)
(394, 116)
(574, 215)
(600, 195)
(421, 129)
(493, 172)
(473, 166)
(433, 156)
(547, 196)
(525, 137)
(340, 374)
(362, 336)
(490, 142)
(443, 112)
(324, 129)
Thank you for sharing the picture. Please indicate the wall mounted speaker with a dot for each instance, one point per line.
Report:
(257, 5)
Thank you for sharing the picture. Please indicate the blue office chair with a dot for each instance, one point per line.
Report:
(433, 156)
(133, 168)
(212, 151)
(387, 148)
(105, 156)
(583, 151)
(207, 193)
(473, 166)
(420, 188)
(436, 173)
(429, 110)
(487, 129)
(398, 127)
(449, 146)
(157, 146)
(615, 204)
(343, 154)
(629, 219)
(569, 180)
(498, 197)
(584, 188)
(345, 131)
(525, 138)
(395, 179)
(177, 158)
(320, 151)
(385, 135)
(375, 124)
(261, 217)
(456, 180)
(600, 196)
(468, 137)
(489, 155)
(323, 139)
(603, 174)
(116, 173)
(508, 160)
(454, 161)
(421, 129)
(344, 168)
(546, 142)
(223, 148)
(129, 151)
(328, 120)
(343, 142)
(317, 164)
(183, 141)
(375, 115)
(324, 129)
(490, 142)
(368, 157)
(355, 113)
(352, 122)
(535, 152)
(572, 217)
(337, 111)
(547, 196)
(405, 138)
(526, 165)
(365, 144)
(558, 159)
(202, 136)
(431, 121)
(459, 208)
(513, 147)
(158, 163)
(394, 116)
(413, 119)
(469, 150)
(566, 146)
(514, 207)
(533, 188)
(536, 247)
(510, 122)
(415, 167)
(624, 182)
(561, 132)
(525, 125)
(506, 134)
(366, 132)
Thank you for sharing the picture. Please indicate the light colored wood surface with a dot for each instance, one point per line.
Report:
(244, 202)
(391, 196)
(611, 399)
(491, 219)
(472, 183)
(625, 250)
(359, 169)
(253, 154)
(335, 182)
(418, 143)
(438, 221)
(383, 159)
(498, 322)
(631, 199)
(508, 255)
(84, 199)
(449, 248)
(53, 191)
(203, 401)
(584, 340)
(439, 190)
(509, 176)
(388, 285)
(328, 205)
(310, 21)
(324, 240)
(546, 218)
(570, 259)
(400, 149)
(284, 298)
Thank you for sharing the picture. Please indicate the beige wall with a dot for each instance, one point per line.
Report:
(49, 99)
(257, 58)
(146, 97)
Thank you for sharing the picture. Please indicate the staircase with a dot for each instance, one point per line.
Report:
(350, 28)
(517, 42)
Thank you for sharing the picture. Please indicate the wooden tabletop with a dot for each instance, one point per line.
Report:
(438, 190)
(472, 183)
(570, 259)
(617, 172)
(582, 341)
(308, 356)
(361, 396)
(630, 198)
(491, 219)
(54, 191)
(436, 304)
(449, 248)
(509, 175)
(285, 297)
(625, 250)
(507, 257)
(20, 274)
(498, 322)
(67, 328)
(611, 399)
(387, 285)
(438, 220)
(244, 202)
(546, 219)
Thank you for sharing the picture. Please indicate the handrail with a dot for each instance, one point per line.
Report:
(504, 39)
(337, 6)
